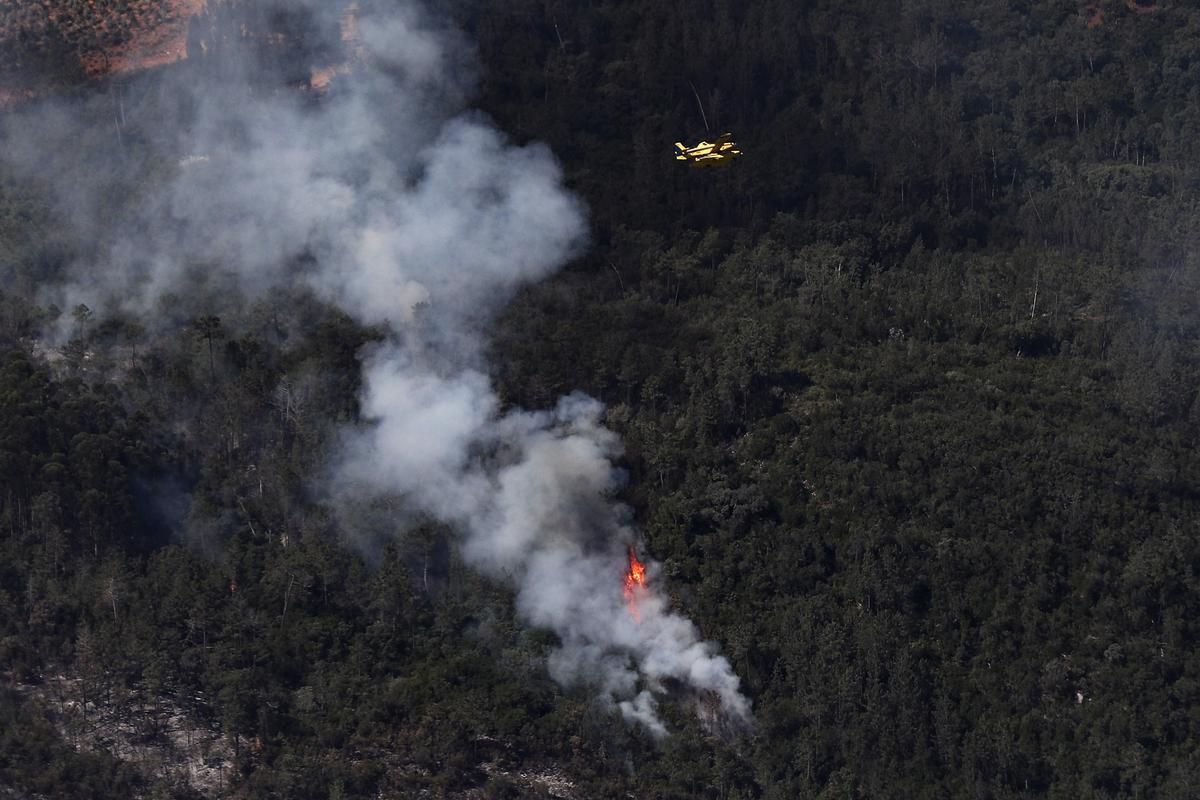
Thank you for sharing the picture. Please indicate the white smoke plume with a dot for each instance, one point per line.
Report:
(388, 200)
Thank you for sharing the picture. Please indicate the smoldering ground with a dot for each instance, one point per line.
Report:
(228, 181)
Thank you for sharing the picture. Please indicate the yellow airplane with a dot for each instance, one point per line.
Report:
(706, 154)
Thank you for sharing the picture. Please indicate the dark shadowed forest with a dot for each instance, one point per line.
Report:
(907, 394)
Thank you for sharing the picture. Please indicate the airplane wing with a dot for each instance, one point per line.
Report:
(707, 152)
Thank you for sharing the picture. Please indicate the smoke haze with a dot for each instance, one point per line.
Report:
(386, 199)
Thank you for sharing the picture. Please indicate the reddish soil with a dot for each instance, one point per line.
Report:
(49, 43)
(322, 75)
(151, 45)
(1093, 14)
(89, 39)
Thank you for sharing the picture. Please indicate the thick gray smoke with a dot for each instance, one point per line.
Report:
(386, 199)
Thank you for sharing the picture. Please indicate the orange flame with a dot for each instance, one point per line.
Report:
(635, 583)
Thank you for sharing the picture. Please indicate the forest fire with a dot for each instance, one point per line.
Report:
(635, 583)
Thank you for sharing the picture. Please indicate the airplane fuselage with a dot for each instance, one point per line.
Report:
(707, 154)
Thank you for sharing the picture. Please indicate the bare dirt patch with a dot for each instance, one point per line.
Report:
(152, 45)
(1093, 13)
(47, 43)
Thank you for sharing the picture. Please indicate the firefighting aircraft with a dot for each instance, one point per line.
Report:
(706, 154)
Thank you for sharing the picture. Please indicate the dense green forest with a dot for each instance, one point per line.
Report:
(908, 397)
